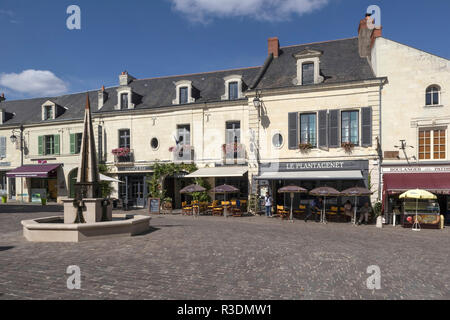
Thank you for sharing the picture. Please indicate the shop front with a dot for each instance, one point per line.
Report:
(399, 178)
(337, 174)
(41, 181)
(133, 191)
(235, 176)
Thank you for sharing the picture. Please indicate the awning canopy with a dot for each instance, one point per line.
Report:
(218, 172)
(108, 179)
(33, 171)
(438, 183)
(312, 175)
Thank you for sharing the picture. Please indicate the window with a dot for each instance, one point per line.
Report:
(277, 140)
(184, 134)
(183, 95)
(233, 132)
(350, 127)
(154, 143)
(124, 138)
(233, 90)
(48, 112)
(124, 101)
(431, 144)
(75, 143)
(308, 130)
(49, 145)
(308, 73)
(432, 96)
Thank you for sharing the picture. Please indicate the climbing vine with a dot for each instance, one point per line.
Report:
(163, 170)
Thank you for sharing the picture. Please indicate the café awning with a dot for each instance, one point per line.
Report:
(312, 175)
(218, 172)
(438, 183)
(33, 171)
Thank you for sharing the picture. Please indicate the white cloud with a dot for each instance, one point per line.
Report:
(266, 10)
(34, 82)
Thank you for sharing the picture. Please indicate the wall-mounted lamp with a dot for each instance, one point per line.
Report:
(257, 100)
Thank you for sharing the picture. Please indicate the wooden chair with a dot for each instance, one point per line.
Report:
(332, 214)
(235, 209)
(301, 210)
(282, 212)
(186, 209)
(210, 207)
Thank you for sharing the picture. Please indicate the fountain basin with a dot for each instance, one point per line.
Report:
(53, 229)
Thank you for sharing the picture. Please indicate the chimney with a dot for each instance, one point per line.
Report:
(125, 78)
(376, 33)
(274, 47)
(102, 97)
(2, 97)
(2, 116)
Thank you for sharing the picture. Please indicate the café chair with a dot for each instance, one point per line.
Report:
(282, 212)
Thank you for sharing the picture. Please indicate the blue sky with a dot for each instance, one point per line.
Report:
(39, 56)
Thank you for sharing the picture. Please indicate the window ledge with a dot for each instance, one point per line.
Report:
(434, 106)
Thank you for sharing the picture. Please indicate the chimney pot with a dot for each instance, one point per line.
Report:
(274, 47)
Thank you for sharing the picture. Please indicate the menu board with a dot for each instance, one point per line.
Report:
(154, 205)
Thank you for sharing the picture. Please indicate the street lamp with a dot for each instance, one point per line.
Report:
(14, 140)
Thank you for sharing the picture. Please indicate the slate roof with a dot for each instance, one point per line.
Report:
(147, 94)
(340, 62)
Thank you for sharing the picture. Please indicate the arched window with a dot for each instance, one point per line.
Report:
(432, 95)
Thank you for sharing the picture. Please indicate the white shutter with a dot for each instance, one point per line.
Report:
(2, 147)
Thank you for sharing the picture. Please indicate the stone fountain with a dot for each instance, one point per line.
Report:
(88, 215)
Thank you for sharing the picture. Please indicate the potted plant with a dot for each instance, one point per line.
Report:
(305, 147)
(4, 198)
(167, 203)
(348, 146)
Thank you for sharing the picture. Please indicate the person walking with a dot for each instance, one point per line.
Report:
(313, 208)
(364, 213)
(268, 204)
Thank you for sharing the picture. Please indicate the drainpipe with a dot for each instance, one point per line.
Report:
(380, 156)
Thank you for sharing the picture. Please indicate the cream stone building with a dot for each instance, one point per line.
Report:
(312, 114)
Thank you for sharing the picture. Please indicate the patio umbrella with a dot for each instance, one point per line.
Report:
(324, 192)
(192, 189)
(292, 189)
(417, 194)
(225, 189)
(356, 192)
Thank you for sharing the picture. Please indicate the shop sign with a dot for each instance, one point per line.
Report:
(415, 169)
(135, 168)
(316, 166)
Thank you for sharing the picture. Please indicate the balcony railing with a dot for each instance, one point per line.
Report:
(123, 156)
(182, 153)
(233, 153)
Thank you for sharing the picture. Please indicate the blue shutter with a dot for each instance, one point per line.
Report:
(366, 127)
(293, 130)
(333, 129)
(2, 147)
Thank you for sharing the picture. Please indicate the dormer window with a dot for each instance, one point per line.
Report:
(51, 111)
(184, 95)
(432, 95)
(308, 67)
(48, 112)
(124, 101)
(183, 91)
(233, 93)
(233, 87)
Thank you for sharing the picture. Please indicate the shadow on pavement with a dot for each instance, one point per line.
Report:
(18, 208)
(6, 248)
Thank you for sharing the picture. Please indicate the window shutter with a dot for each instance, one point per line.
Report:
(41, 145)
(100, 143)
(2, 147)
(323, 129)
(57, 149)
(333, 130)
(366, 127)
(72, 143)
(293, 130)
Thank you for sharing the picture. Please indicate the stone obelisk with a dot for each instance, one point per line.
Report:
(88, 206)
